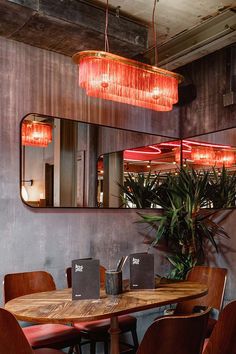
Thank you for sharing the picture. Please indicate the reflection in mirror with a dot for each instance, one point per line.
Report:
(59, 161)
(216, 149)
(128, 178)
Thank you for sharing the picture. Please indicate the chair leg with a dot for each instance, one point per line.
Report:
(105, 347)
(77, 349)
(74, 349)
(71, 350)
(92, 347)
(135, 338)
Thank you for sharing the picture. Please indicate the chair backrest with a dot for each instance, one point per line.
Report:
(19, 284)
(12, 338)
(223, 337)
(215, 279)
(175, 334)
(69, 277)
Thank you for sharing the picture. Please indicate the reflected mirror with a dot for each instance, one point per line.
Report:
(128, 178)
(61, 163)
(136, 170)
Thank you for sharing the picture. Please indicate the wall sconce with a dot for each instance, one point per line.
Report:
(24, 192)
(30, 181)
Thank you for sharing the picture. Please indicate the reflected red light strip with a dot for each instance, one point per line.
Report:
(207, 144)
(176, 144)
(170, 144)
(144, 152)
(155, 148)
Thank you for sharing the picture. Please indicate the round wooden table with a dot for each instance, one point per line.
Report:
(58, 307)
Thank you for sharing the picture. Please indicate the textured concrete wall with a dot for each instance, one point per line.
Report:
(34, 80)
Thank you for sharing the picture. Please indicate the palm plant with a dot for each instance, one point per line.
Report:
(185, 225)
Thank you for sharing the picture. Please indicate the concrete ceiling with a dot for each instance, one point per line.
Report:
(172, 16)
(186, 30)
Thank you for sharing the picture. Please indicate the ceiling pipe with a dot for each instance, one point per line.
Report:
(229, 98)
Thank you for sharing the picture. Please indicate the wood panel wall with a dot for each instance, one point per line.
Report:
(207, 113)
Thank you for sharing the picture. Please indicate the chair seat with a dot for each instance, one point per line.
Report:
(47, 351)
(102, 326)
(50, 335)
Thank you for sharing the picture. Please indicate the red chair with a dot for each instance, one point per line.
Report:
(13, 340)
(175, 334)
(97, 331)
(55, 336)
(223, 337)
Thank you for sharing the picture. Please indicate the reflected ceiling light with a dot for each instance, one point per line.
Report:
(112, 77)
(225, 157)
(203, 155)
(35, 133)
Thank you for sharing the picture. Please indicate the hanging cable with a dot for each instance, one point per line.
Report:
(106, 30)
(154, 32)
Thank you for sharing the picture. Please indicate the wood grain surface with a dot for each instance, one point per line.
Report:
(58, 307)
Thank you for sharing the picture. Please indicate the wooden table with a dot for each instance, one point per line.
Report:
(57, 306)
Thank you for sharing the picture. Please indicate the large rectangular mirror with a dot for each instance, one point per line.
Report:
(67, 163)
(61, 164)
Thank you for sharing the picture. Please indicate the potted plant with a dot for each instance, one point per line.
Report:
(185, 225)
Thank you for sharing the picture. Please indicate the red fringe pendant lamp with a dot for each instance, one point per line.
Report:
(111, 77)
(36, 133)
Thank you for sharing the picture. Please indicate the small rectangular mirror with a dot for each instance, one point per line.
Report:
(61, 164)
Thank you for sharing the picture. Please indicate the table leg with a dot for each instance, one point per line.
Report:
(114, 333)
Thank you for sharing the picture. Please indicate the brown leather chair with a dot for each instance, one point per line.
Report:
(13, 340)
(97, 331)
(223, 337)
(175, 334)
(215, 279)
(55, 336)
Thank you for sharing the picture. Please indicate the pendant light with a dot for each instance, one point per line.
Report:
(112, 77)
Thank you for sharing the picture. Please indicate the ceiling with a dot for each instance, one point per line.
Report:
(186, 30)
(172, 16)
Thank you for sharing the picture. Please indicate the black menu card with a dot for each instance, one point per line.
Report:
(142, 271)
(85, 279)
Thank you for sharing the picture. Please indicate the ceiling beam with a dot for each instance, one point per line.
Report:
(211, 35)
(68, 26)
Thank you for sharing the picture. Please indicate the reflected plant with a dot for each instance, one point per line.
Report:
(221, 191)
(139, 189)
